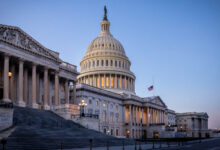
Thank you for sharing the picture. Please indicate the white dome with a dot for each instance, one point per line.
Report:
(105, 64)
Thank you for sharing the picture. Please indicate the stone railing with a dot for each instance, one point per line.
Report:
(67, 66)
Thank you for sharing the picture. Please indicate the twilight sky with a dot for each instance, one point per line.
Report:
(176, 43)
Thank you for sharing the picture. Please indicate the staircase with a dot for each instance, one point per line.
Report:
(44, 130)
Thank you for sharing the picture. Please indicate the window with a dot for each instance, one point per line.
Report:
(97, 81)
(117, 117)
(115, 63)
(112, 81)
(111, 116)
(117, 107)
(117, 132)
(111, 106)
(104, 105)
(119, 64)
(90, 101)
(102, 63)
(111, 131)
(89, 64)
(90, 111)
(97, 103)
(106, 62)
(107, 81)
(97, 63)
(93, 63)
(104, 116)
(111, 62)
(104, 130)
(102, 81)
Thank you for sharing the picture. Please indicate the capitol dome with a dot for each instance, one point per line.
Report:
(105, 64)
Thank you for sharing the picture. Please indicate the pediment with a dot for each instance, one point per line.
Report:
(19, 38)
(157, 100)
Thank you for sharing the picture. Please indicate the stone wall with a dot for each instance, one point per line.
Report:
(6, 118)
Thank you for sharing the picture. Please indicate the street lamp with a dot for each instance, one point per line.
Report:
(82, 104)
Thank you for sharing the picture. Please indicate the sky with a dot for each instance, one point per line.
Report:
(173, 44)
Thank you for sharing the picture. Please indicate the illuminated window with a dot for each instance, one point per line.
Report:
(104, 105)
(117, 107)
(111, 106)
(97, 81)
(112, 81)
(107, 81)
(102, 81)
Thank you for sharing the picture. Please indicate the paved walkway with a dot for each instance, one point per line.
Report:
(128, 147)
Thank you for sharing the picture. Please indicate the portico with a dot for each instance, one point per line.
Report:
(32, 75)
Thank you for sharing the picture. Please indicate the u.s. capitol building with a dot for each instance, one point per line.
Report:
(104, 98)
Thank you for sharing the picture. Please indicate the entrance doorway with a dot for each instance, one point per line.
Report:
(156, 135)
(144, 136)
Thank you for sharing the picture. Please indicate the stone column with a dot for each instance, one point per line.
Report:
(25, 86)
(142, 115)
(133, 114)
(46, 106)
(12, 84)
(104, 80)
(121, 82)
(137, 114)
(20, 84)
(147, 116)
(67, 91)
(6, 80)
(130, 121)
(34, 87)
(74, 92)
(126, 86)
(99, 81)
(56, 89)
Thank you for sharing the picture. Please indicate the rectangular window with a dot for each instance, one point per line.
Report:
(112, 81)
(102, 81)
(97, 81)
(107, 81)
(97, 63)
(106, 62)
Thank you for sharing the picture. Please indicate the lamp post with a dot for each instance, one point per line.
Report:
(82, 104)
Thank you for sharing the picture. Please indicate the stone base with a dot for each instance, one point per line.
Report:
(35, 105)
(46, 107)
(21, 103)
(6, 100)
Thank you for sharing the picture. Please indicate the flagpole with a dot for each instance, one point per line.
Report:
(153, 86)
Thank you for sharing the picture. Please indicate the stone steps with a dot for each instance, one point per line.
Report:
(38, 130)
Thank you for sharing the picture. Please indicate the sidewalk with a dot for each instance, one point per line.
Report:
(127, 147)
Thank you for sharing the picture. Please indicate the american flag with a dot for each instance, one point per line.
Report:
(151, 88)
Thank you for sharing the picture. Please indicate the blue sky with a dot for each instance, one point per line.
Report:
(176, 43)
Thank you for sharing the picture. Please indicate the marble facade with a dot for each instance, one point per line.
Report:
(30, 74)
